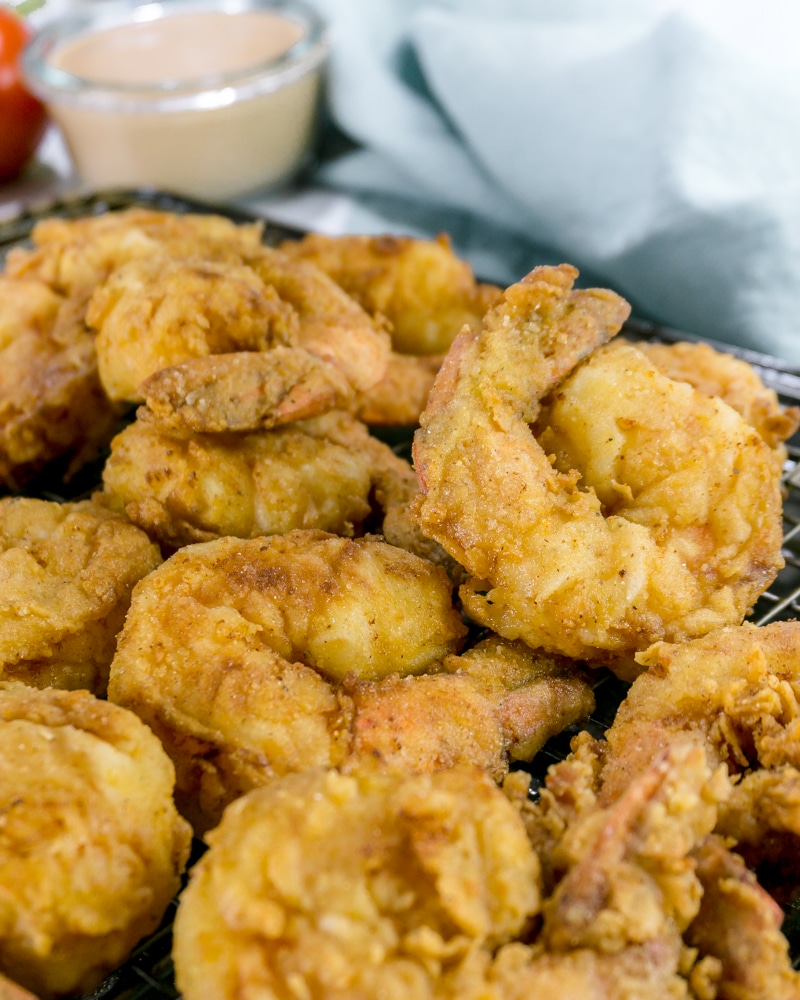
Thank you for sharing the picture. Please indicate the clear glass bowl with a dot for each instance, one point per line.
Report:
(207, 98)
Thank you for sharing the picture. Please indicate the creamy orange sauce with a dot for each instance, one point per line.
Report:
(185, 47)
(211, 149)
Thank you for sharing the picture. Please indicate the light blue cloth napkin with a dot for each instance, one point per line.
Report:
(656, 145)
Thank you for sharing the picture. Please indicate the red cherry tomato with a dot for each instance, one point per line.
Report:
(22, 116)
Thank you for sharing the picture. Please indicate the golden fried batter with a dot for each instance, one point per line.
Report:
(51, 402)
(402, 394)
(327, 472)
(735, 381)
(497, 701)
(421, 287)
(243, 391)
(73, 256)
(66, 576)
(91, 847)
(228, 646)
(154, 313)
(167, 311)
(370, 885)
(638, 972)
(740, 926)
(735, 690)
(660, 518)
(620, 885)
(424, 292)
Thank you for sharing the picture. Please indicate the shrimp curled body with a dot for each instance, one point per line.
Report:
(671, 524)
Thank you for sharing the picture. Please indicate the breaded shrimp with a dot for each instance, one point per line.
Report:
(243, 391)
(660, 516)
(739, 925)
(173, 313)
(232, 648)
(66, 576)
(402, 394)
(259, 658)
(327, 472)
(421, 287)
(715, 373)
(497, 702)
(736, 692)
(370, 885)
(422, 290)
(52, 405)
(91, 846)
(154, 313)
(73, 256)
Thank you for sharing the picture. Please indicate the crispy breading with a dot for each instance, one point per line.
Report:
(259, 658)
(735, 690)
(243, 391)
(91, 846)
(425, 291)
(154, 313)
(715, 373)
(739, 925)
(52, 405)
(229, 646)
(360, 886)
(73, 256)
(327, 472)
(422, 290)
(66, 576)
(496, 702)
(660, 516)
(402, 394)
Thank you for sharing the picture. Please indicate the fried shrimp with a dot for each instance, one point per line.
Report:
(619, 884)
(73, 256)
(243, 391)
(195, 317)
(91, 846)
(154, 313)
(327, 472)
(402, 394)
(369, 885)
(66, 576)
(421, 287)
(736, 692)
(424, 292)
(257, 658)
(659, 516)
(496, 702)
(230, 648)
(52, 405)
(735, 381)
(739, 926)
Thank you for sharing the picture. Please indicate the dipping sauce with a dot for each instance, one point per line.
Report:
(197, 98)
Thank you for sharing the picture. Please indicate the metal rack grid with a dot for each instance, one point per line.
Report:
(148, 973)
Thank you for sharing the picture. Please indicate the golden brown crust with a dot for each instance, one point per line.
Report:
(67, 572)
(52, 404)
(424, 291)
(232, 648)
(366, 885)
(92, 848)
(658, 516)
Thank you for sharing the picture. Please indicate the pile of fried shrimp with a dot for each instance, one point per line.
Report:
(269, 627)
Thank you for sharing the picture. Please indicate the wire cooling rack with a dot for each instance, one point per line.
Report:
(148, 973)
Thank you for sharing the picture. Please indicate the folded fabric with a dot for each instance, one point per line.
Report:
(656, 145)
